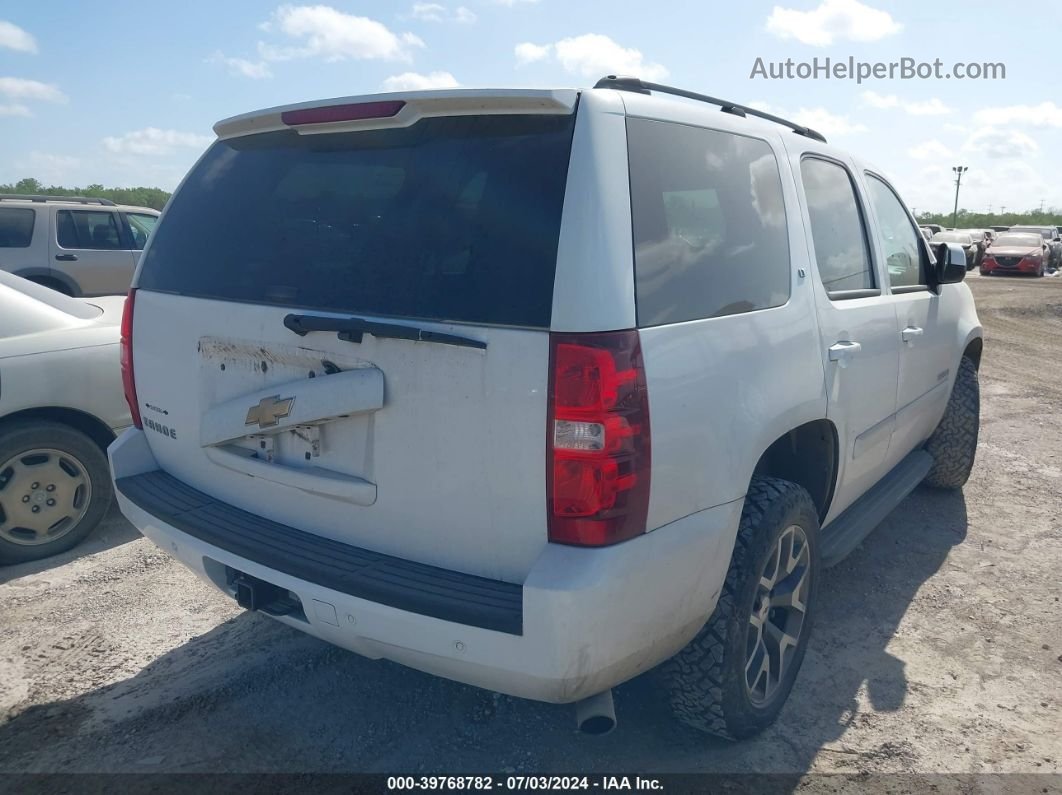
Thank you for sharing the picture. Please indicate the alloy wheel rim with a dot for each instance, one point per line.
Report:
(778, 616)
(44, 494)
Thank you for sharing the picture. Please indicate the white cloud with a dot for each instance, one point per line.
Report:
(411, 81)
(153, 141)
(529, 53)
(818, 119)
(872, 99)
(434, 12)
(1046, 114)
(20, 88)
(256, 70)
(333, 35)
(14, 109)
(829, 124)
(511, 3)
(592, 55)
(51, 169)
(830, 21)
(929, 107)
(428, 12)
(999, 144)
(930, 150)
(15, 38)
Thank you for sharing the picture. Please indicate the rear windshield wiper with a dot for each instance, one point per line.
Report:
(351, 329)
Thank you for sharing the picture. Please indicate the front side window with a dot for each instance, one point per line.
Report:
(898, 238)
(87, 229)
(837, 229)
(140, 226)
(16, 227)
(709, 224)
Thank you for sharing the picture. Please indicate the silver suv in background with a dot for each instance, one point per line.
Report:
(78, 246)
(537, 390)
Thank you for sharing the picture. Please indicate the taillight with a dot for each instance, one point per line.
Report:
(335, 113)
(598, 466)
(126, 348)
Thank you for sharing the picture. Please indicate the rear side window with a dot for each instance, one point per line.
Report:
(86, 229)
(837, 229)
(16, 227)
(709, 223)
(454, 218)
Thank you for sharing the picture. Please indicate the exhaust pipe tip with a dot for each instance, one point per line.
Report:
(596, 715)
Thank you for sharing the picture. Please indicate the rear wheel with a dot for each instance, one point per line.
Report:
(953, 444)
(54, 489)
(734, 677)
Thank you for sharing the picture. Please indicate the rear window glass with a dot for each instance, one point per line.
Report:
(16, 227)
(453, 218)
(709, 223)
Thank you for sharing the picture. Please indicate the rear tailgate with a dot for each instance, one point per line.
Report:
(430, 448)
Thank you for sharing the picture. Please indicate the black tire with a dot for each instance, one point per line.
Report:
(19, 438)
(953, 444)
(706, 681)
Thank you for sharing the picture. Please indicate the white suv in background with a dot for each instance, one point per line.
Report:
(78, 246)
(537, 390)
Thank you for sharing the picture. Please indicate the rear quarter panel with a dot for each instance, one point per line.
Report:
(85, 379)
(721, 390)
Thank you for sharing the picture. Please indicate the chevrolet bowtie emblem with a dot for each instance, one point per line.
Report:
(269, 410)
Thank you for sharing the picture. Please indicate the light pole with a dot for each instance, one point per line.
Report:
(959, 171)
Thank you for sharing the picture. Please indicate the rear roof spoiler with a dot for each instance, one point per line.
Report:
(413, 105)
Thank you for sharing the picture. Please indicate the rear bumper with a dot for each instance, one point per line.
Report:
(591, 619)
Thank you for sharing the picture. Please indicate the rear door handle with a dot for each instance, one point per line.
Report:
(843, 350)
(66, 257)
(910, 333)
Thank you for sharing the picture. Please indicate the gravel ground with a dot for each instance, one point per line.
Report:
(937, 647)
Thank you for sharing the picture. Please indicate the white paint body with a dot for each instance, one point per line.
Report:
(456, 450)
(53, 359)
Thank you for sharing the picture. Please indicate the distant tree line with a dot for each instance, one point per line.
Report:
(139, 197)
(969, 220)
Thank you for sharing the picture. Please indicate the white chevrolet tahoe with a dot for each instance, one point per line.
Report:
(538, 390)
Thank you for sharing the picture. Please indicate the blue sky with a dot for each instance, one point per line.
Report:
(125, 93)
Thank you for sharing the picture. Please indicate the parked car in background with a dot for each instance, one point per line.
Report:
(1000, 228)
(927, 233)
(970, 247)
(61, 403)
(1054, 243)
(318, 416)
(1016, 252)
(934, 228)
(78, 246)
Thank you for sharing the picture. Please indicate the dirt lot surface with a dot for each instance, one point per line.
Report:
(938, 645)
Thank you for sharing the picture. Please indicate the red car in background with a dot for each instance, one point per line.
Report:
(1016, 252)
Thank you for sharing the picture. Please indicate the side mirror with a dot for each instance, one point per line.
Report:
(950, 265)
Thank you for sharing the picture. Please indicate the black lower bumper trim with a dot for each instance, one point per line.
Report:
(418, 588)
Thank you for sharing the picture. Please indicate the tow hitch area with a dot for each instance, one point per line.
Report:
(255, 594)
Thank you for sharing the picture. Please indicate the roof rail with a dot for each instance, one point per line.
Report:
(28, 197)
(642, 87)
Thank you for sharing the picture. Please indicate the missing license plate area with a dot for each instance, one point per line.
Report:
(301, 443)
